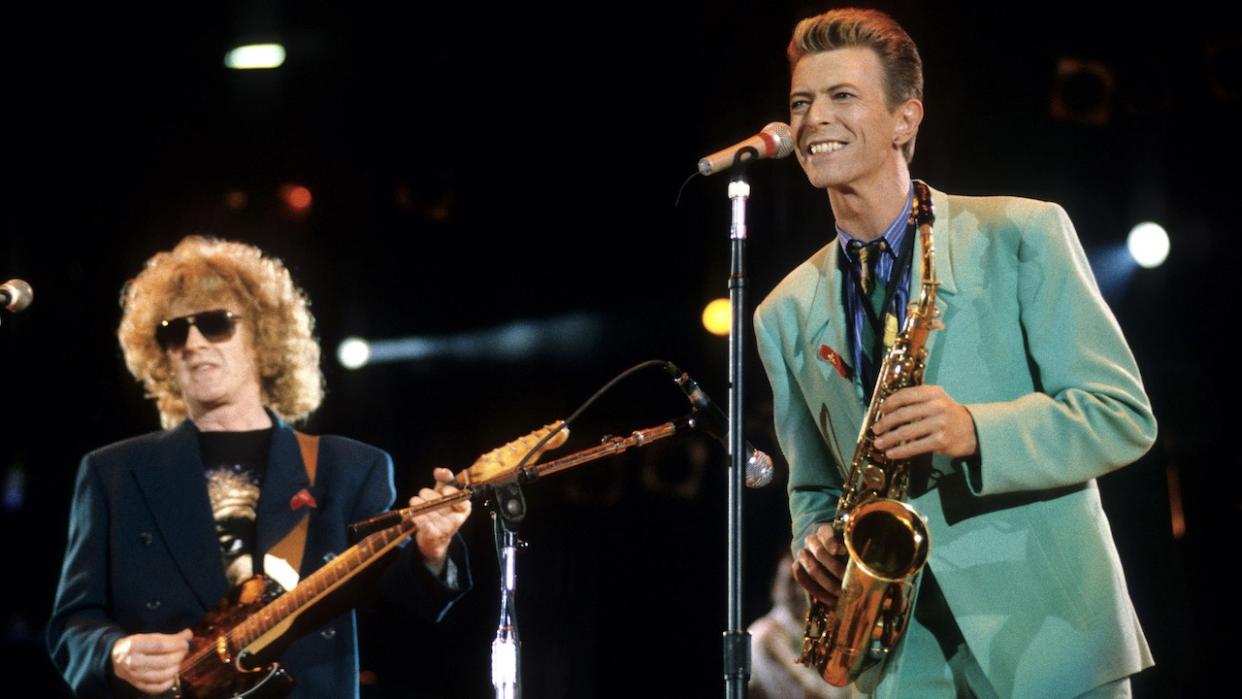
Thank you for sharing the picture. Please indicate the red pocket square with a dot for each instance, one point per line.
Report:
(302, 499)
(830, 355)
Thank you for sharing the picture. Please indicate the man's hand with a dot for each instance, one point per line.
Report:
(819, 565)
(150, 661)
(436, 528)
(923, 420)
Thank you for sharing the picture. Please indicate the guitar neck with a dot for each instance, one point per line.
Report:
(319, 584)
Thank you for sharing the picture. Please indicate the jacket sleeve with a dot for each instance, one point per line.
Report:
(814, 478)
(80, 635)
(1089, 414)
(407, 583)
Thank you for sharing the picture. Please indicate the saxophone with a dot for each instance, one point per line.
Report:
(887, 539)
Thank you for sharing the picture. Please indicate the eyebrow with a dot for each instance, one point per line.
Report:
(830, 88)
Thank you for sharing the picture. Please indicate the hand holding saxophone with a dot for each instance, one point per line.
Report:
(924, 419)
(820, 563)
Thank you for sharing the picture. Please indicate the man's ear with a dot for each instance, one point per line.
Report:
(909, 116)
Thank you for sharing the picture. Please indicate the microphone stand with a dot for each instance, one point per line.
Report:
(736, 638)
(508, 511)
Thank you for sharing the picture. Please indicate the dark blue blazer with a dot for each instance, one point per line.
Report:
(143, 555)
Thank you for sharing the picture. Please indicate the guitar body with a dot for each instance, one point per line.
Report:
(218, 673)
(273, 682)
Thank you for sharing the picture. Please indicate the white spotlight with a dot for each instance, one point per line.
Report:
(254, 56)
(353, 353)
(1148, 244)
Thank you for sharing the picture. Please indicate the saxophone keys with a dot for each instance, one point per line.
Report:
(874, 477)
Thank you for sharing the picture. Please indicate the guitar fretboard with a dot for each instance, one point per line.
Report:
(320, 583)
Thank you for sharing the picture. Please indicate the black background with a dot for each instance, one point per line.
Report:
(473, 166)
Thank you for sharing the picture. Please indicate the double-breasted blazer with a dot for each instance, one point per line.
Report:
(143, 554)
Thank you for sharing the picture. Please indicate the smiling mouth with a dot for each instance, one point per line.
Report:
(824, 147)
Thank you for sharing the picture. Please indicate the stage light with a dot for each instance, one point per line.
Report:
(563, 338)
(718, 317)
(353, 353)
(14, 492)
(255, 56)
(1148, 244)
(1083, 92)
(236, 199)
(296, 197)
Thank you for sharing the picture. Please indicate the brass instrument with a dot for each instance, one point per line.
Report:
(887, 539)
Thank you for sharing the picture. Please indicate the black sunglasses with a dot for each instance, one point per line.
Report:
(216, 326)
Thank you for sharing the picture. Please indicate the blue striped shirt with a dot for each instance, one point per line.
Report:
(896, 236)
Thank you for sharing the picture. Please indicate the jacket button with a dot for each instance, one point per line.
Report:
(153, 605)
(145, 538)
(328, 633)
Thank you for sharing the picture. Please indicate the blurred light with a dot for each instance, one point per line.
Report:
(1113, 267)
(14, 489)
(562, 338)
(254, 56)
(1177, 517)
(296, 197)
(1148, 244)
(1082, 92)
(353, 353)
(432, 201)
(718, 317)
(404, 196)
(236, 199)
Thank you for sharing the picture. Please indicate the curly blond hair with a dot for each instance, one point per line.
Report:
(208, 271)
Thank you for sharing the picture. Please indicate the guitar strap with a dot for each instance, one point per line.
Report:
(292, 546)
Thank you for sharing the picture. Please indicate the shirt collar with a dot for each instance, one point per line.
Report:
(894, 234)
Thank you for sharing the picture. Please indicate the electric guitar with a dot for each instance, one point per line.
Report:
(227, 653)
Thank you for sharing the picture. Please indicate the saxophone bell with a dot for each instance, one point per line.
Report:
(887, 539)
(888, 543)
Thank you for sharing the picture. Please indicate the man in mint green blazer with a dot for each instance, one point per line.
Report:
(1030, 393)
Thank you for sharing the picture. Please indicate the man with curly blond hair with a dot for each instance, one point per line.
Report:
(164, 524)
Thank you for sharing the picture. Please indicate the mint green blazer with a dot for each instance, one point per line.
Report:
(1019, 542)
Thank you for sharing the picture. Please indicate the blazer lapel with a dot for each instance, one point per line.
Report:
(825, 323)
(174, 487)
(285, 477)
(827, 326)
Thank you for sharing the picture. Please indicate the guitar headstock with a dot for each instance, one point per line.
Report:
(500, 463)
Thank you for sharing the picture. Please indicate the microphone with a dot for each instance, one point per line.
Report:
(774, 141)
(16, 295)
(711, 419)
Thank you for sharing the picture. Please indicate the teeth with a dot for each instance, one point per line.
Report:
(825, 147)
